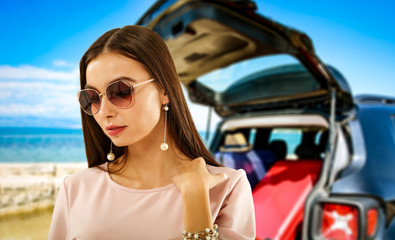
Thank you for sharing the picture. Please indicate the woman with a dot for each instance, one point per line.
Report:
(150, 175)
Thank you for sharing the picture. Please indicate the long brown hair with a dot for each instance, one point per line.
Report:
(148, 48)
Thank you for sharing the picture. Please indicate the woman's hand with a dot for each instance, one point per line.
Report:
(193, 175)
(194, 182)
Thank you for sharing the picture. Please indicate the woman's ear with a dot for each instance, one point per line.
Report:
(165, 99)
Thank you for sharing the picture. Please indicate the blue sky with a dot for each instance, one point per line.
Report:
(42, 42)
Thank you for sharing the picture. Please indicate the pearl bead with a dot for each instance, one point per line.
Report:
(111, 156)
(164, 146)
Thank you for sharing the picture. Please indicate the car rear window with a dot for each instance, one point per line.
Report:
(223, 78)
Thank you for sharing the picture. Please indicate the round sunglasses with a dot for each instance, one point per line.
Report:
(118, 93)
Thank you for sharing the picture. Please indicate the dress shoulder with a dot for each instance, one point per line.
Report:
(233, 176)
(85, 175)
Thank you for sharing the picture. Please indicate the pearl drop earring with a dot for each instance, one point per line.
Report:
(164, 145)
(110, 155)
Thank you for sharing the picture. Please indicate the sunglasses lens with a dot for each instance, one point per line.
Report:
(119, 94)
(89, 101)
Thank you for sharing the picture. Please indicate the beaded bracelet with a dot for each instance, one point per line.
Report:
(207, 234)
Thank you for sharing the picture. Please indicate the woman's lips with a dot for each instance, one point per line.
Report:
(114, 130)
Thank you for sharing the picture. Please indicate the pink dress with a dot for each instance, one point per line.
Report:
(90, 205)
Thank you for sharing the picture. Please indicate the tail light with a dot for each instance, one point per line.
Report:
(373, 220)
(345, 218)
(339, 222)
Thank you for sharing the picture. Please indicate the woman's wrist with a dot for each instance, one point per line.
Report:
(207, 233)
(197, 209)
(194, 182)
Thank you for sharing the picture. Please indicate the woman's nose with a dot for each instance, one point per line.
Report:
(106, 107)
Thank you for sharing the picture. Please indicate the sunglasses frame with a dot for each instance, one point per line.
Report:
(104, 93)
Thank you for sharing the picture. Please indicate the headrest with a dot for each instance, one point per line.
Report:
(279, 147)
(235, 142)
(305, 151)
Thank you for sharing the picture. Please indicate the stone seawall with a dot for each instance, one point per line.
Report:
(29, 187)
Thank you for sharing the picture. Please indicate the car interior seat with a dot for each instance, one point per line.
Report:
(280, 196)
(307, 149)
(237, 153)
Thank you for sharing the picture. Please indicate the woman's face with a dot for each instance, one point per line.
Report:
(125, 126)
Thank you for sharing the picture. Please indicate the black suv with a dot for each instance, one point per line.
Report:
(320, 161)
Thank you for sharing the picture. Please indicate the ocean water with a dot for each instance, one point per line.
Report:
(31, 145)
(36, 145)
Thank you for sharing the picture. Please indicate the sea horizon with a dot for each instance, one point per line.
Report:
(66, 144)
(43, 144)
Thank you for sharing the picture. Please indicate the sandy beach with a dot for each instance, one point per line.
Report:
(30, 187)
(27, 195)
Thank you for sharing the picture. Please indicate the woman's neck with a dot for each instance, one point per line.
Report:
(147, 166)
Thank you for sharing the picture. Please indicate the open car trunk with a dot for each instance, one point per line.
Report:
(206, 36)
(283, 158)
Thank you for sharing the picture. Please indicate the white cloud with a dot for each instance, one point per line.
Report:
(25, 110)
(16, 90)
(47, 109)
(5, 94)
(32, 91)
(41, 97)
(30, 72)
(60, 63)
